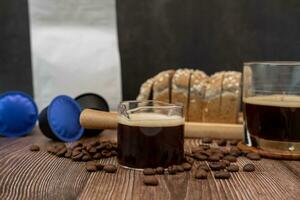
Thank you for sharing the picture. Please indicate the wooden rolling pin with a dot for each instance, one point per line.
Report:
(94, 119)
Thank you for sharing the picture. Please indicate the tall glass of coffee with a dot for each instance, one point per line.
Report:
(271, 97)
(150, 134)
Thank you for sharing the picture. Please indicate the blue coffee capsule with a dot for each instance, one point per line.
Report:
(60, 120)
(18, 114)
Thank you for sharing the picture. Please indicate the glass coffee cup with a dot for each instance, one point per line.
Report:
(271, 97)
(150, 134)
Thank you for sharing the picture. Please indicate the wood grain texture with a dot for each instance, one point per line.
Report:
(39, 175)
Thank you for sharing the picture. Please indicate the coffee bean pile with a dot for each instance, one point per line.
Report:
(79, 151)
(219, 159)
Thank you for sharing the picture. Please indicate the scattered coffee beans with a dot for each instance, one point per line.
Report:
(91, 166)
(253, 156)
(233, 168)
(203, 166)
(230, 158)
(62, 152)
(99, 166)
(68, 154)
(179, 168)
(110, 168)
(207, 140)
(148, 171)
(222, 142)
(222, 175)
(186, 166)
(159, 170)
(200, 174)
(150, 180)
(225, 162)
(200, 157)
(34, 147)
(249, 168)
(214, 158)
(215, 166)
(172, 170)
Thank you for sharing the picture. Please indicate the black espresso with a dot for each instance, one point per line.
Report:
(150, 143)
(274, 117)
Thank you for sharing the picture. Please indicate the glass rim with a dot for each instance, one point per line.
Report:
(273, 63)
(162, 105)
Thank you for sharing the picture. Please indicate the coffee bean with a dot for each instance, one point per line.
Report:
(50, 149)
(172, 170)
(233, 142)
(204, 146)
(110, 168)
(97, 156)
(61, 152)
(200, 174)
(230, 158)
(222, 142)
(214, 158)
(200, 157)
(207, 140)
(114, 153)
(150, 180)
(76, 144)
(92, 150)
(197, 149)
(91, 166)
(186, 166)
(68, 154)
(222, 175)
(100, 147)
(235, 153)
(148, 171)
(105, 153)
(108, 146)
(179, 168)
(233, 168)
(225, 162)
(203, 166)
(75, 153)
(215, 166)
(190, 160)
(99, 166)
(159, 170)
(78, 157)
(86, 157)
(219, 154)
(249, 168)
(34, 147)
(253, 156)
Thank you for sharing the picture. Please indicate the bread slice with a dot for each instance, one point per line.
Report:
(230, 97)
(162, 89)
(180, 89)
(212, 99)
(196, 97)
(146, 90)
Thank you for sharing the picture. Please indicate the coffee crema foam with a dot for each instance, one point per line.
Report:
(151, 120)
(291, 101)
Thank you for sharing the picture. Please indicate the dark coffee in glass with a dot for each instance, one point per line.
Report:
(150, 139)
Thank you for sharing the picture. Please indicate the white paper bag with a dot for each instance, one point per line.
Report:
(74, 49)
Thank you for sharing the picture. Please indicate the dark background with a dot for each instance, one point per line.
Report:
(15, 61)
(211, 35)
(160, 34)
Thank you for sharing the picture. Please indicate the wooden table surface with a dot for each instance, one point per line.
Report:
(39, 175)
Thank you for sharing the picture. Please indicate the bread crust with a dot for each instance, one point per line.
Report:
(161, 87)
(180, 89)
(197, 94)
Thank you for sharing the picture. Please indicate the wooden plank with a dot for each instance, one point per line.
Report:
(39, 175)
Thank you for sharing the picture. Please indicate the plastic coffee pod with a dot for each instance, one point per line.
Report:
(18, 114)
(95, 102)
(60, 120)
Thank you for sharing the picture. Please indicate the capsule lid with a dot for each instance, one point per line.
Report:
(63, 118)
(18, 114)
